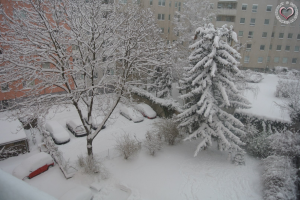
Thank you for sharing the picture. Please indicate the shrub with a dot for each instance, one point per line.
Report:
(127, 146)
(167, 130)
(259, 146)
(279, 178)
(92, 165)
(153, 142)
(286, 143)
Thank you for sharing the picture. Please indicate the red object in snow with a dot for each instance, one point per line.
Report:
(40, 170)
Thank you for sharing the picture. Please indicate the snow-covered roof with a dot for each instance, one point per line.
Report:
(11, 131)
(264, 103)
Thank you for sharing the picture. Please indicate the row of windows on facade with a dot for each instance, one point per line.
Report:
(276, 60)
(278, 47)
(265, 34)
(232, 5)
(162, 17)
(163, 3)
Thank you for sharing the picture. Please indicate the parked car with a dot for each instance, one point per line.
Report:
(57, 132)
(33, 166)
(78, 193)
(146, 110)
(131, 114)
(76, 127)
(96, 121)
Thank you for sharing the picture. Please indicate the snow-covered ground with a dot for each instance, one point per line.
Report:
(263, 104)
(173, 173)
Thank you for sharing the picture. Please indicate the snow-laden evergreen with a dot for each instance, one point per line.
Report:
(161, 81)
(210, 87)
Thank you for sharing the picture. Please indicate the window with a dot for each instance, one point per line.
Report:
(268, 59)
(168, 31)
(211, 5)
(169, 17)
(225, 18)
(290, 35)
(95, 74)
(123, 1)
(170, 3)
(136, 1)
(248, 47)
(276, 59)
(242, 21)
(281, 35)
(250, 35)
(4, 104)
(298, 37)
(151, 2)
(46, 65)
(287, 48)
(270, 47)
(179, 5)
(267, 21)
(278, 48)
(269, 8)
(260, 59)
(161, 17)
(161, 2)
(4, 87)
(241, 33)
(110, 72)
(244, 6)
(296, 48)
(262, 47)
(254, 8)
(19, 14)
(28, 84)
(284, 60)
(252, 21)
(246, 59)
(264, 34)
(273, 34)
(175, 4)
(162, 30)
(294, 60)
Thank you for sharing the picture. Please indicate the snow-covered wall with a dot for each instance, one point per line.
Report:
(12, 188)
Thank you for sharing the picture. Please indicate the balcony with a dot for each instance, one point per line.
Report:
(227, 8)
(226, 11)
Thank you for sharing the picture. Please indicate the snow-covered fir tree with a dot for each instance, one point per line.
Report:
(161, 81)
(210, 87)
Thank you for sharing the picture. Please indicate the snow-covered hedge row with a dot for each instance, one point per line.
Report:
(252, 77)
(279, 178)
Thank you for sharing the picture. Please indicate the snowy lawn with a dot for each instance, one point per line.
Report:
(173, 173)
(263, 104)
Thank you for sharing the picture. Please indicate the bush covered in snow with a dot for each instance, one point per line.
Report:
(127, 146)
(279, 178)
(92, 165)
(153, 142)
(167, 130)
(259, 146)
(285, 143)
(252, 77)
(285, 88)
(281, 70)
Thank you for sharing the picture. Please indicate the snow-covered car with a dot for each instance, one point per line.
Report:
(131, 114)
(146, 110)
(76, 127)
(57, 132)
(78, 193)
(33, 166)
(96, 121)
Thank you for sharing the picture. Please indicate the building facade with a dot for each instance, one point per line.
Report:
(267, 42)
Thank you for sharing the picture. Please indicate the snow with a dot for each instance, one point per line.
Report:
(173, 173)
(78, 193)
(57, 131)
(14, 189)
(11, 130)
(263, 104)
(146, 109)
(31, 164)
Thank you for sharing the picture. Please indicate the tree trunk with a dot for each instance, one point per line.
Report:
(90, 147)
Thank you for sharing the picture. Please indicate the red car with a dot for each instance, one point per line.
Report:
(33, 166)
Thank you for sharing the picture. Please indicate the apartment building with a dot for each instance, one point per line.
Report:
(268, 42)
